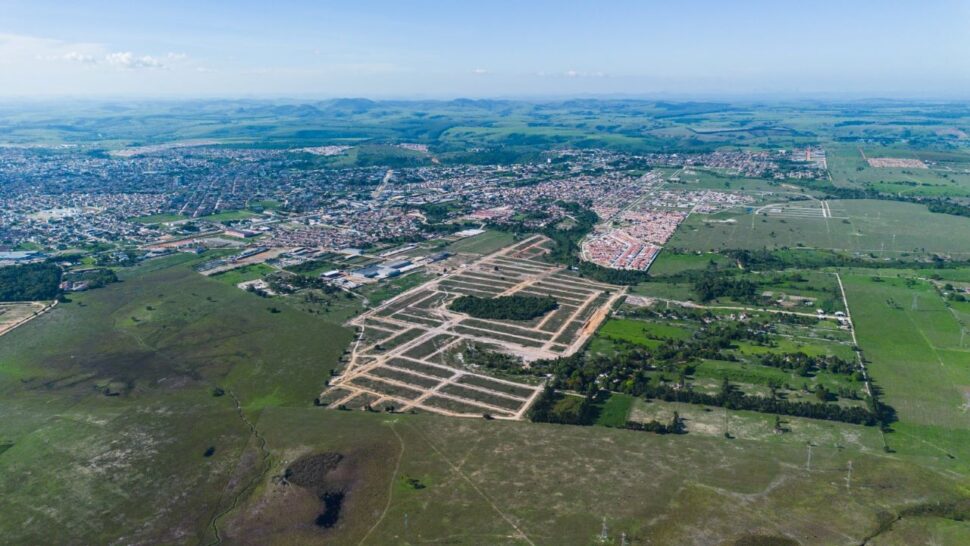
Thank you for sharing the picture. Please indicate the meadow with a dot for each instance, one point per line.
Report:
(867, 227)
(112, 400)
(919, 358)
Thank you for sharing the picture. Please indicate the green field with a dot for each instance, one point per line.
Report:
(243, 274)
(228, 216)
(108, 402)
(921, 361)
(641, 332)
(880, 228)
(486, 243)
(670, 263)
(946, 176)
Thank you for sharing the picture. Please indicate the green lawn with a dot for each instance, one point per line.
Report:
(641, 332)
(482, 244)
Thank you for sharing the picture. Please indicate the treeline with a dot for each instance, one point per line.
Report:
(805, 365)
(736, 400)
(612, 276)
(515, 307)
(937, 205)
(675, 426)
(769, 260)
(30, 282)
(949, 207)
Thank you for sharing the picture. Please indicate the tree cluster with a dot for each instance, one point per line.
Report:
(806, 365)
(514, 307)
(712, 285)
(30, 282)
(734, 399)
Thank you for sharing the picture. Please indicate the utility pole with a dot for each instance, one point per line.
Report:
(808, 463)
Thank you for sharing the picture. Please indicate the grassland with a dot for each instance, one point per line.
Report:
(947, 175)
(243, 274)
(486, 243)
(516, 483)
(879, 228)
(228, 216)
(920, 359)
(109, 406)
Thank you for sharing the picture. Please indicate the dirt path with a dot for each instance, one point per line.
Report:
(7, 327)
(519, 532)
(390, 488)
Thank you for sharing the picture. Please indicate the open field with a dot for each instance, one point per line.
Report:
(920, 358)
(446, 474)
(902, 170)
(880, 228)
(431, 329)
(13, 315)
(109, 404)
(486, 243)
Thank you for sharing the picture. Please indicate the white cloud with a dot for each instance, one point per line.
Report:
(79, 57)
(479, 71)
(128, 60)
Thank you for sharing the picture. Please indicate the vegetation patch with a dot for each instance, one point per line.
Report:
(316, 474)
(30, 282)
(513, 307)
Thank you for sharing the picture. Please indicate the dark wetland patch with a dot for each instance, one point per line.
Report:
(328, 478)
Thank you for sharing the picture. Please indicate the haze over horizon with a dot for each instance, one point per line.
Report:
(422, 49)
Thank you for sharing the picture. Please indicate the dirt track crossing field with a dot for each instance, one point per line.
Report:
(405, 370)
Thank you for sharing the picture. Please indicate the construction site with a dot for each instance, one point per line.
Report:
(409, 352)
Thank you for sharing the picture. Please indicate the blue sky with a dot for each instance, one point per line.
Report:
(494, 48)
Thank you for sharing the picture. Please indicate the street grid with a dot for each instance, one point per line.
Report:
(409, 354)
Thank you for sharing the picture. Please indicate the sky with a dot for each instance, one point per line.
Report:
(486, 48)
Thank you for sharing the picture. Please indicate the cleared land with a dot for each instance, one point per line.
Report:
(393, 368)
(17, 314)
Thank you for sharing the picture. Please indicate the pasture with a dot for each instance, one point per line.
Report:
(920, 358)
(112, 400)
(878, 228)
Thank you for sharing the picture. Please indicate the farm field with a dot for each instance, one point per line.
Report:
(879, 228)
(947, 174)
(919, 358)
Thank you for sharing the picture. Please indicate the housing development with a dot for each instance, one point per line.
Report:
(485, 322)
